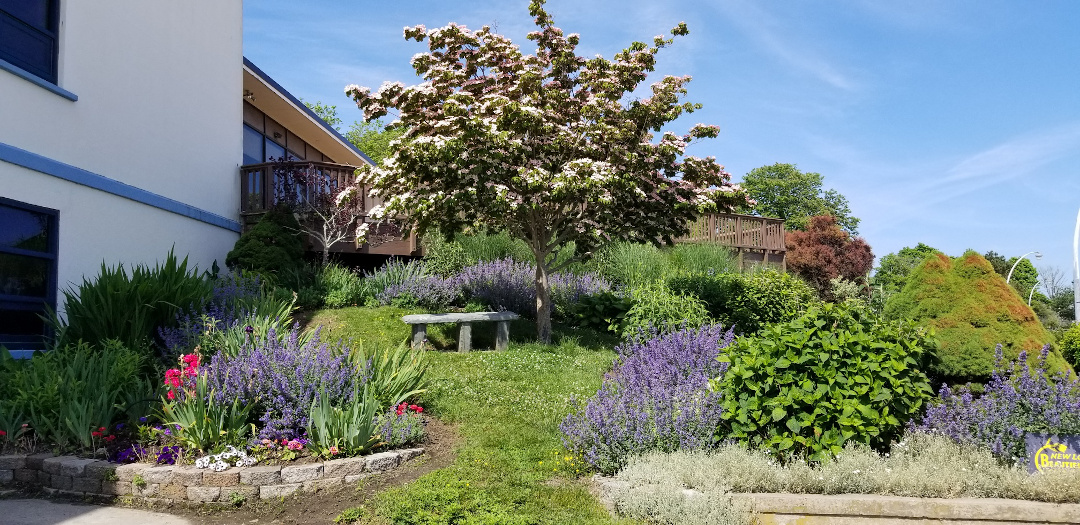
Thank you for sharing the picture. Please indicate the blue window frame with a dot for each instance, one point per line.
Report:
(29, 36)
(28, 263)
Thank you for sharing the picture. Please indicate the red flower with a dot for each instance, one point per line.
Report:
(419, 409)
(96, 434)
(2, 433)
(192, 360)
(172, 378)
(110, 438)
(170, 394)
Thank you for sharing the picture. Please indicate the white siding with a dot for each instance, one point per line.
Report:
(159, 107)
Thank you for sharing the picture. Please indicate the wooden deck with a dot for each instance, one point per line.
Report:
(755, 239)
(257, 196)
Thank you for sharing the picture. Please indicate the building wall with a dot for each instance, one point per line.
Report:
(159, 108)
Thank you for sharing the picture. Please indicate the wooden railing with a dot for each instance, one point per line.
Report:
(753, 238)
(258, 183)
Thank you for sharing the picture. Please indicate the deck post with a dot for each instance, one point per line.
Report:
(502, 335)
(419, 335)
(464, 340)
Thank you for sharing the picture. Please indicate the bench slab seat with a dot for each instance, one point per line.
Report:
(465, 320)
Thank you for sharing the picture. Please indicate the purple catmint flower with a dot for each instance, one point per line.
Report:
(1019, 399)
(506, 284)
(656, 398)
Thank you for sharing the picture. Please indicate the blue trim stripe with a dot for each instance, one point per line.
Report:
(296, 102)
(30, 77)
(33, 161)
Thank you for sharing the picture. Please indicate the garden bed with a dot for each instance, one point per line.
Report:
(74, 476)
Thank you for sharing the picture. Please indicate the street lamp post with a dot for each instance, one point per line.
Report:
(1076, 270)
(1032, 293)
(1037, 256)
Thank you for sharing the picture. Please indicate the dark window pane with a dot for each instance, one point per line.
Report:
(253, 146)
(273, 150)
(32, 12)
(21, 322)
(23, 275)
(24, 229)
(28, 47)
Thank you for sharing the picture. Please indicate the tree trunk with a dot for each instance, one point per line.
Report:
(543, 304)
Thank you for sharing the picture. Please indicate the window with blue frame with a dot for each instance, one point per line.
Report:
(28, 260)
(29, 36)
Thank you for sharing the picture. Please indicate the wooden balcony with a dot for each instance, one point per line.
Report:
(755, 239)
(257, 183)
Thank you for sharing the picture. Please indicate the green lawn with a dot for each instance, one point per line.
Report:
(511, 466)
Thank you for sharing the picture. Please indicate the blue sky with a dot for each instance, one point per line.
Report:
(956, 124)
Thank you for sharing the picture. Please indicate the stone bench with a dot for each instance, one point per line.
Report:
(419, 324)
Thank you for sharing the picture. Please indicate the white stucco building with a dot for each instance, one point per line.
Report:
(123, 126)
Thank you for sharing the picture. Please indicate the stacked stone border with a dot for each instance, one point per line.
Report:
(74, 476)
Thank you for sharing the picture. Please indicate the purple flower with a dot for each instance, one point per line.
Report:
(509, 285)
(656, 398)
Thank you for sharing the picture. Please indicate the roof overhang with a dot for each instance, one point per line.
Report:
(280, 105)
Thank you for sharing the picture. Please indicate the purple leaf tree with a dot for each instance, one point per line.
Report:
(552, 147)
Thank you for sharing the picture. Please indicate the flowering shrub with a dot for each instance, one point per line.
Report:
(509, 285)
(426, 291)
(281, 377)
(656, 398)
(1019, 399)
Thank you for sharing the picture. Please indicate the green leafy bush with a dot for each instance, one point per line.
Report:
(487, 247)
(444, 257)
(655, 305)
(1069, 345)
(702, 257)
(603, 312)
(67, 393)
(272, 248)
(747, 302)
(835, 375)
(342, 287)
(130, 308)
(972, 310)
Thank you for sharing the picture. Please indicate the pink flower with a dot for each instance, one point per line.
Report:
(2, 433)
(171, 395)
(333, 451)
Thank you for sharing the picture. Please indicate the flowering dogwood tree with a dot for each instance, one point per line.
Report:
(551, 147)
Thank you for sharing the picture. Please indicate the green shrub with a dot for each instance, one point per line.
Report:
(444, 257)
(603, 312)
(70, 391)
(348, 430)
(702, 257)
(487, 247)
(341, 287)
(130, 308)
(272, 248)
(747, 301)
(1069, 345)
(835, 375)
(972, 310)
(631, 265)
(655, 305)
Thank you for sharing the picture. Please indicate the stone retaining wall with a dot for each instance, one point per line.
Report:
(74, 476)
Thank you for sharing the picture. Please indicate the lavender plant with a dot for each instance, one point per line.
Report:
(506, 284)
(1019, 399)
(657, 398)
(283, 376)
(425, 291)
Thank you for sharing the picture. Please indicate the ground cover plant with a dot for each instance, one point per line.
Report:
(972, 310)
(922, 465)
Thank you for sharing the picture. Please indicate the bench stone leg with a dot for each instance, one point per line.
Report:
(464, 339)
(419, 333)
(502, 335)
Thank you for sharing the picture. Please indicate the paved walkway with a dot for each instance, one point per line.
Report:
(45, 512)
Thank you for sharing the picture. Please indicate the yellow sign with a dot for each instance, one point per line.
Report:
(1055, 455)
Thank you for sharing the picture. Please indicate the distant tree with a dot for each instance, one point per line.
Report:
(893, 270)
(824, 252)
(550, 147)
(998, 262)
(374, 139)
(782, 191)
(326, 112)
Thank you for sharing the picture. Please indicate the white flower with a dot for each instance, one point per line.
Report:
(219, 466)
(202, 462)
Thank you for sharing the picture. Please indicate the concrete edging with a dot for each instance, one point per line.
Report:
(74, 476)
